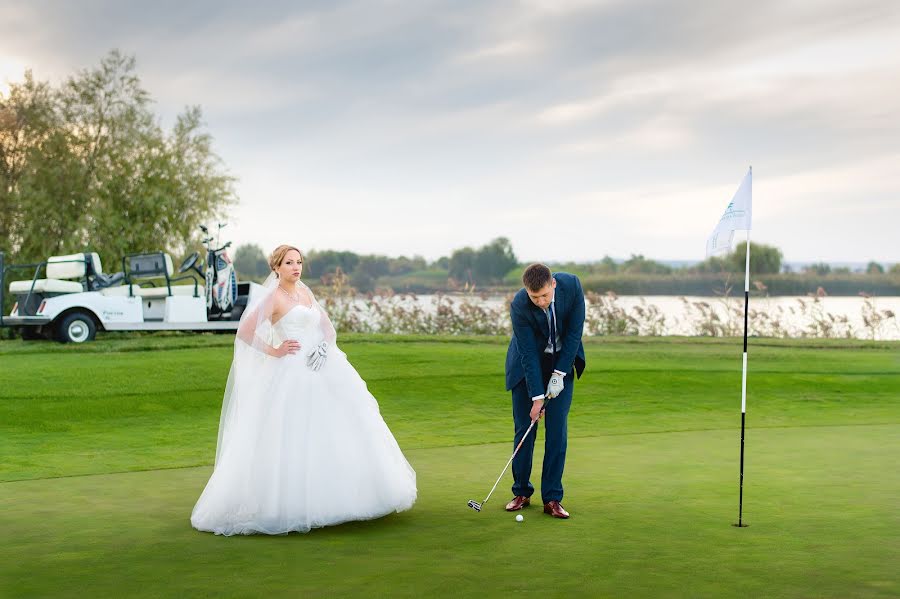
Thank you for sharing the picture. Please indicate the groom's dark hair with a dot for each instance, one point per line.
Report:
(536, 276)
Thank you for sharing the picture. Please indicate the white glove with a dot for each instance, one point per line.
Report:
(316, 358)
(555, 386)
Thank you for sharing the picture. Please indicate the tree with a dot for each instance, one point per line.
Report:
(50, 208)
(250, 262)
(488, 264)
(461, 265)
(713, 264)
(404, 265)
(362, 282)
(764, 259)
(819, 268)
(28, 119)
(637, 264)
(494, 260)
(895, 269)
(873, 268)
(442, 263)
(373, 267)
(324, 262)
(607, 266)
(86, 166)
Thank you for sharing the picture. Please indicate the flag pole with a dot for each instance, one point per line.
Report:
(740, 522)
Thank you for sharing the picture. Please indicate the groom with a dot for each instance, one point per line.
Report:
(544, 356)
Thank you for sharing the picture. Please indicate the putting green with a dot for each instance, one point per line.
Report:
(92, 505)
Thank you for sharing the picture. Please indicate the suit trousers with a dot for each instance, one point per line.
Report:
(556, 415)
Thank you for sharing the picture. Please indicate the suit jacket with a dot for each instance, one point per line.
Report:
(531, 332)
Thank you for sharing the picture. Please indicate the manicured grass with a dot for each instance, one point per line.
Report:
(105, 448)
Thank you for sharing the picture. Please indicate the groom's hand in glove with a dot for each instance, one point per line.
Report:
(556, 385)
(316, 358)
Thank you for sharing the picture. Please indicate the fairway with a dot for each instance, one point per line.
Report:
(105, 448)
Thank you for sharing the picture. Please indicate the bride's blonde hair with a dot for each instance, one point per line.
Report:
(277, 255)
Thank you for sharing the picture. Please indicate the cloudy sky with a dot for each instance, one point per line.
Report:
(577, 129)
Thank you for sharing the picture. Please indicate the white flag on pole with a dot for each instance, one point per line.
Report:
(736, 218)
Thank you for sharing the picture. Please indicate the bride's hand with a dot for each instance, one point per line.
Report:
(287, 347)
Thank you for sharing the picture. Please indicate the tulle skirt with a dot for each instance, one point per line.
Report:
(300, 449)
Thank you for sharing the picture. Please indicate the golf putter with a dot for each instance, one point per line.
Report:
(477, 506)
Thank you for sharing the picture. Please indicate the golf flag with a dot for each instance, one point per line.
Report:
(736, 218)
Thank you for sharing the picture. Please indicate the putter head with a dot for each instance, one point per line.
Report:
(474, 505)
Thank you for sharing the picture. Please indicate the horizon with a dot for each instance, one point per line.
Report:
(674, 262)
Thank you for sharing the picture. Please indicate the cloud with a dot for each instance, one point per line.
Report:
(420, 127)
(658, 134)
(513, 49)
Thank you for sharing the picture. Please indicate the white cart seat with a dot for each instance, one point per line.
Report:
(45, 286)
(69, 267)
(72, 266)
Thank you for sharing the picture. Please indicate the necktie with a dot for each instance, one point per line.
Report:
(552, 316)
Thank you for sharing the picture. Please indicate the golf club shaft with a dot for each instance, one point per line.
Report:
(518, 447)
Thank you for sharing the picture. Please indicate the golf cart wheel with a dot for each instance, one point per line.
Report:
(77, 327)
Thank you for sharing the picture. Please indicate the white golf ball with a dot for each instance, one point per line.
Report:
(519, 518)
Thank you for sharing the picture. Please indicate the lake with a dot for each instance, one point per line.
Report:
(854, 317)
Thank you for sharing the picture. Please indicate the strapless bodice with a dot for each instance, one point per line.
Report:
(301, 323)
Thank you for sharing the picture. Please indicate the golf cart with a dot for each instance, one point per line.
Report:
(76, 298)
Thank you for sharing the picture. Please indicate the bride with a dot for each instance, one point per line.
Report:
(301, 441)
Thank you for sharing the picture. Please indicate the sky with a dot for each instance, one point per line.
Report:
(576, 129)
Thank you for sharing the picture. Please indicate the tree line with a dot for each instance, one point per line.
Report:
(491, 264)
(486, 265)
(496, 264)
(86, 165)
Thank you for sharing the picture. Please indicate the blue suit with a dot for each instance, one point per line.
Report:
(528, 370)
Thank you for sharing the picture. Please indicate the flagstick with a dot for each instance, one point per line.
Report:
(737, 217)
(740, 522)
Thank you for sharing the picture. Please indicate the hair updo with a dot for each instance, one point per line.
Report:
(277, 255)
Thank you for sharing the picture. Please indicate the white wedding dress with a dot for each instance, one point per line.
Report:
(298, 448)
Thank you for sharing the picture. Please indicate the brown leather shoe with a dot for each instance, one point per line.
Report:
(517, 503)
(554, 509)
